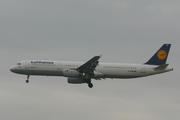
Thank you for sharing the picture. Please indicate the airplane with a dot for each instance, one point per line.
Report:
(83, 72)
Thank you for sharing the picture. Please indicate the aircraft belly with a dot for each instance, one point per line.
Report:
(40, 72)
(47, 73)
(121, 76)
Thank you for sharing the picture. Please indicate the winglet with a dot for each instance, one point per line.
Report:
(160, 57)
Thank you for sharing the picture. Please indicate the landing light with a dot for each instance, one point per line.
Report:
(83, 74)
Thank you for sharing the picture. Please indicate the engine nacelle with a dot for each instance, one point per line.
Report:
(76, 80)
(70, 73)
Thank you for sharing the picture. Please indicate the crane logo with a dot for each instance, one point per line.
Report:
(162, 54)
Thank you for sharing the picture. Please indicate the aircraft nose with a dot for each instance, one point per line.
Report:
(13, 69)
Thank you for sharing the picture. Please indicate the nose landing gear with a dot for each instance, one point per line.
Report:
(27, 81)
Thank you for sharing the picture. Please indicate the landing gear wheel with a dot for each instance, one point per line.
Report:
(90, 85)
(27, 81)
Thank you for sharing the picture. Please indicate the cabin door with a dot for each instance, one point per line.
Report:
(26, 65)
(59, 66)
(143, 69)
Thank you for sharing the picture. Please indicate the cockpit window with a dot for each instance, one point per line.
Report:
(18, 63)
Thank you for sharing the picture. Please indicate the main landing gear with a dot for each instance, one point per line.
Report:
(90, 85)
(27, 81)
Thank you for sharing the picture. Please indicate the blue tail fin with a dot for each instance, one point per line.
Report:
(160, 57)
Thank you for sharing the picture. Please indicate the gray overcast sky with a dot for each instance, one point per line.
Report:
(122, 30)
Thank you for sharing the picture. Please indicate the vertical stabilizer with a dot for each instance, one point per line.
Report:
(160, 57)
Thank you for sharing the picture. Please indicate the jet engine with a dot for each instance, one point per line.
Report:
(76, 80)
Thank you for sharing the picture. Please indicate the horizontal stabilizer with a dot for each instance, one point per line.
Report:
(161, 67)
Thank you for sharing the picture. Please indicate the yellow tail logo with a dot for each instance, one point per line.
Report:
(162, 54)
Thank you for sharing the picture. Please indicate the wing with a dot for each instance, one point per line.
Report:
(89, 66)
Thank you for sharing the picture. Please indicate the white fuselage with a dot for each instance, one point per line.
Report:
(103, 70)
